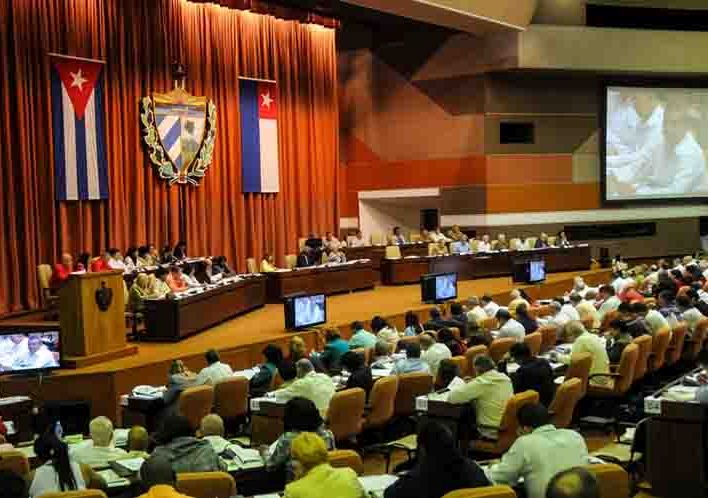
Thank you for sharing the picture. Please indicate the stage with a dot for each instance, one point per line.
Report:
(240, 340)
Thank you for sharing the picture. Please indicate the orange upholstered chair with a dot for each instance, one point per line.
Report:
(660, 345)
(645, 345)
(549, 337)
(195, 403)
(534, 341)
(489, 324)
(410, 386)
(471, 354)
(14, 461)
(695, 343)
(621, 381)
(563, 405)
(579, 368)
(86, 493)
(206, 484)
(499, 347)
(678, 339)
(401, 344)
(612, 479)
(346, 458)
(345, 416)
(460, 362)
(508, 427)
(485, 492)
(231, 397)
(382, 401)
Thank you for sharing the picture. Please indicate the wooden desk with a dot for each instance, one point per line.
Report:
(174, 319)
(378, 253)
(320, 280)
(266, 421)
(481, 265)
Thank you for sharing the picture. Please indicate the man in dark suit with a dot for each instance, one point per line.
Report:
(305, 258)
(533, 373)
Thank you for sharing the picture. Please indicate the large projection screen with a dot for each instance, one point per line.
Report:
(654, 140)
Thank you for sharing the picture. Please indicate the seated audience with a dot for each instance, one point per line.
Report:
(62, 271)
(458, 318)
(180, 251)
(581, 288)
(562, 240)
(436, 321)
(261, 382)
(57, 471)
(297, 351)
(215, 371)
(219, 266)
(316, 477)
(268, 264)
(358, 240)
(489, 306)
(455, 345)
(609, 301)
(655, 321)
(455, 233)
(413, 326)
(447, 372)
(179, 378)
(436, 235)
(397, 238)
(578, 482)
(384, 331)
(300, 415)
(636, 324)
(438, 249)
(629, 293)
(382, 355)
(618, 339)
(307, 257)
(584, 342)
(689, 312)
(101, 263)
(176, 280)
(138, 442)
(211, 429)
(159, 478)
(516, 300)
(484, 245)
(166, 256)
(359, 373)
(475, 310)
(13, 485)
(100, 450)
(336, 256)
(461, 246)
(586, 309)
(440, 468)
(413, 363)
(666, 302)
(539, 454)
(160, 288)
(317, 387)
(501, 244)
(508, 327)
(332, 243)
(489, 391)
(334, 349)
(542, 241)
(189, 273)
(534, 373)
(115, 259)
(143, 257)
(139, 291)
(186, 453)
(433, 352)
(524, 318)
(567, 312)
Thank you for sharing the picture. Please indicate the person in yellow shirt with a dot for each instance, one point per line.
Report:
(516, 299)
(316, 477)
(159, 478)
(585, 342)
(268, 264)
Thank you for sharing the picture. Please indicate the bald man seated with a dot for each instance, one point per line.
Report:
(577, 482)
(100, 450)
(159, 478)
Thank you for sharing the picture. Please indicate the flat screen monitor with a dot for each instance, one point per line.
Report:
(653, 144)
(438, 287)
(305, 311)
(528, 271)
(26, 349)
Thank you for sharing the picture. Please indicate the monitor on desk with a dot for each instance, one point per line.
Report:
(305, 311)
(528, 271)
(29, 348)
(438, 287)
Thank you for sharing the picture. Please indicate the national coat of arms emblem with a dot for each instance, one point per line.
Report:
(104, 297)
(179, 130)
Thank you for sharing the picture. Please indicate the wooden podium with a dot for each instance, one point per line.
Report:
(91, 315)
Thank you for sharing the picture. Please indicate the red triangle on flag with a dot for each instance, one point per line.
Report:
(79, 79)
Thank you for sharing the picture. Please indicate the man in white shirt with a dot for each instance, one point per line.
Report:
(485, 244)
(585, 342)
(490, 391)
(610, 302)
(475, 312)
(37, 356)
(215, 371)
(539, 454)
(397, 238)
(509, 327)
(433, 352)
(655, 320)
(211, 429)
(100, 450)
(115, 260)
(689, 313)
(489, 306)
(560, 314)
(14, 347)
(358, 240)
(316, 387)
(461, 246)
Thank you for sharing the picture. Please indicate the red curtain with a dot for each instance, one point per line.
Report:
(139, 40)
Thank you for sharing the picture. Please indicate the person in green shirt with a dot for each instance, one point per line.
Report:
(361, 337)
(335, 347)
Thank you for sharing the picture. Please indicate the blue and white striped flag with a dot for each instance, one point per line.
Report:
(79, 123)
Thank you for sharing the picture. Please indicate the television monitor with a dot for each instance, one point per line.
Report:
(653, 142)
(305, 311)
(438, 287)
(29, 349)
(529, 271)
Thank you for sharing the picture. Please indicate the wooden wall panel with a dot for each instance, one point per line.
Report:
(542, 197)
(529, 168)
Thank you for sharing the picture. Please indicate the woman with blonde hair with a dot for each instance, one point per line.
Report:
(139, 291)
(316, 477)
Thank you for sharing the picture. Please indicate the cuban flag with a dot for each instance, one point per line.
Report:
(78, 123)
(259, 136)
